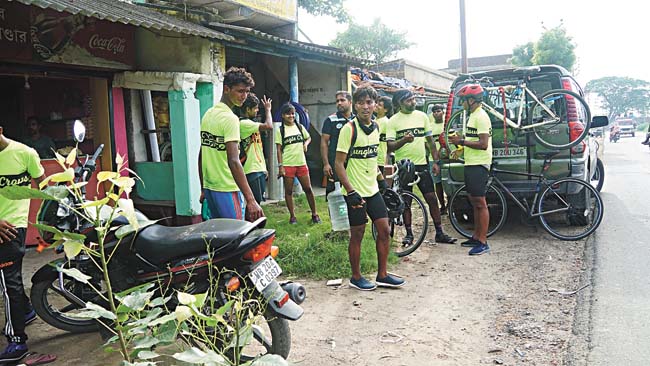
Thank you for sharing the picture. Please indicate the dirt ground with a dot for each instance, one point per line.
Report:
(500, 308)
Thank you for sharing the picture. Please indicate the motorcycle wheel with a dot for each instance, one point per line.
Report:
(56, 310)
(271, 335)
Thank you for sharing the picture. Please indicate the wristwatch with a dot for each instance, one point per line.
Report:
(462, 142)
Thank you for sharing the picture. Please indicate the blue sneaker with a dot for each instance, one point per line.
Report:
(471, 242)
(30, 317)
(362, 284)
(480, 249)
(390, 281)
(13, 353)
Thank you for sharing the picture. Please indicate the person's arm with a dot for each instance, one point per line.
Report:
(481, 144)
(253, 209)
(354, 198)
(396, 145)
(201, 196)
(434, 155)
(268, 120)
(280, 167)
(306, 144)
(324, 150)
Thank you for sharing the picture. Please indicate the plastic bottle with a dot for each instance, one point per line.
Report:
(338, 209)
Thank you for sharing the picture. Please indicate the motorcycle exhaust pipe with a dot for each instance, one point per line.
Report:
(296, 291)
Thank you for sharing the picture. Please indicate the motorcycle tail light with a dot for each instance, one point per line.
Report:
(233, 284)
(275, 251)
(261, 251)
(283, 300)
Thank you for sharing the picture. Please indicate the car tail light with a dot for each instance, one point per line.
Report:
(576, 127)
(261, 251)
(450, 102)
(571, 108)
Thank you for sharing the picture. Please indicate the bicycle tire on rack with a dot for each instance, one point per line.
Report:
(461, 212)
(456, 124)
(557, 100)
(397, 231)
(573, 192)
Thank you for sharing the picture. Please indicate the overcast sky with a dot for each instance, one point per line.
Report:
(610, 35)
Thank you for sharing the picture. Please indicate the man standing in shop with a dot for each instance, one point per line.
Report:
(20, 164)
(330, 136)
(407, 134)
(43, 144)
(224, 182)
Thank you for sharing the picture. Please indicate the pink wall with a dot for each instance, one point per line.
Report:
(119, 124)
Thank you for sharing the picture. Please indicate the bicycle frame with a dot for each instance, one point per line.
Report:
(522, 103)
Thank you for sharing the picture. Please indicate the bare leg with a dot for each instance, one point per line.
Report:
(382, 246)
(481, 218)
(354, 249)
(434, 210)
(441, 196)
(288, 195)
(306, 186)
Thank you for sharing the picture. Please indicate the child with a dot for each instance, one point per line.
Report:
(292, 141)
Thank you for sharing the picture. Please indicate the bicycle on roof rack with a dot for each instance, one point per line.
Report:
(567, 208)
(547, 116)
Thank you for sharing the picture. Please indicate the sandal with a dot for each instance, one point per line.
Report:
(445, 239)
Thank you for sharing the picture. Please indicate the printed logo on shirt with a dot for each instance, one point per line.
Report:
(364, 152)
(293, 139)
(382, 137)
(213, 141)
(339, 125)
(23, 179)
(473, 132)
(416, 132)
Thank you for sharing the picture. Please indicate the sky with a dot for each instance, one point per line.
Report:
(609, 35)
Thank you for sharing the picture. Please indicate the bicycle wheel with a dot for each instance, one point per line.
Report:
(570, 209)
(461, 212)
(457, 123)
(398, 232)
(571, 113)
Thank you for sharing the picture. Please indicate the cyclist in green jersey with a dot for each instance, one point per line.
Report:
(251, 149)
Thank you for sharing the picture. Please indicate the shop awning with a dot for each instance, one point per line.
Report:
(118, 11)
(255, 40)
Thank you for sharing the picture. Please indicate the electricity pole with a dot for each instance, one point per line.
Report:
(463, 38)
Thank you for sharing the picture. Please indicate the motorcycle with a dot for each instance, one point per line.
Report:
(176, 257)
(614, 136)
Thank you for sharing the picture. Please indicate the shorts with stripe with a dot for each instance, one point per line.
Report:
(225, 205)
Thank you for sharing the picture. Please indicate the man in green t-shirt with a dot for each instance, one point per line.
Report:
(359, 180)
(251, 149)
(478, 158)
(437, 126)
(224, 182)
(408, 132)
(20, 164)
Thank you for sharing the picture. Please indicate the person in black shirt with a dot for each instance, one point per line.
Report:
(330, 136)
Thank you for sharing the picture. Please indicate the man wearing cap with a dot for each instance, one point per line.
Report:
(408, 132)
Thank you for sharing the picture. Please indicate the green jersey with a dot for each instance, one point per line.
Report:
(362, 160)
(436, 130)
(478, 123)
(218, 126)
(20, 164)
(417, 123)
(252, 144)
(383, 149)
(293, 153)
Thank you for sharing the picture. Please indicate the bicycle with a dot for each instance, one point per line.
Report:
(546, 117)
(567, 208)
(399, 203)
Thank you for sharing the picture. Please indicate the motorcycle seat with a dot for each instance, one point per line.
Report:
(159, 244)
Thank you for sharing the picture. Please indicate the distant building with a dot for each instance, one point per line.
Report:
(484, 63)
(432, 80)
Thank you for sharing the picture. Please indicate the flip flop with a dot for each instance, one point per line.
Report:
(37, 359)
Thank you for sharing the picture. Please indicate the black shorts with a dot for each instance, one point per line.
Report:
(476, 178)
(426, 180)
(374, 207)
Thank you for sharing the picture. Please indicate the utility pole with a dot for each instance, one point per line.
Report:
(463, 38)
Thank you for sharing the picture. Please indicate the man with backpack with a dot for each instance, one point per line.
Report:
(224, 182)
(356, 167)
(251, 152)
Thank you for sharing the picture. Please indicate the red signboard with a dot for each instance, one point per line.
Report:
(29, 33)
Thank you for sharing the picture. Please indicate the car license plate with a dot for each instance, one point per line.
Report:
(512, 152)
(264, 273)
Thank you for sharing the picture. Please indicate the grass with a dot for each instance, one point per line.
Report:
(313, 251)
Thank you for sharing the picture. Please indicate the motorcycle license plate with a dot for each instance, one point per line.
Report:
(264, 273)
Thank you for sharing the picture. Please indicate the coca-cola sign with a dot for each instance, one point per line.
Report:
(114, 45)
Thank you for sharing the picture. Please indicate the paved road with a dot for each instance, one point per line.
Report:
(621, 300)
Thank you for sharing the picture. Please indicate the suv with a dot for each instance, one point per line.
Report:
(626, 126)
(523, 153)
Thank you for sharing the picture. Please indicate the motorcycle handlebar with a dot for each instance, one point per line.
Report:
(96, 154)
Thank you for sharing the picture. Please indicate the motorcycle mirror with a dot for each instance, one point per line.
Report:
(79, 131)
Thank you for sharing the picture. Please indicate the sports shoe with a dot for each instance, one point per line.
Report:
(293, 221)
(362, 284)
(444, 238)
(390, 281)
(646, 142)
(408, 240)
(30, 317)
(315, 219)
(480, 249)
(13, 353)
(470, 243)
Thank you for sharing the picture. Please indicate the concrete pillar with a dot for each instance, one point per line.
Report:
(293, 80)
(185, 115)
(205, 95)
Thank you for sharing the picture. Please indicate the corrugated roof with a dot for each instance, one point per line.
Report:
(118, 11)
(310, 47)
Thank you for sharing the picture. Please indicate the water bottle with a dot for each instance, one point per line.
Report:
(338, 209)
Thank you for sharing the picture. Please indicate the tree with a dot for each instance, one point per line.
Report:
(333, 8)
(621, 94)
(553, 47)
(375, 43)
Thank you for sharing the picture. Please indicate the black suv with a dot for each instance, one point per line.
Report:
(523, 152)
